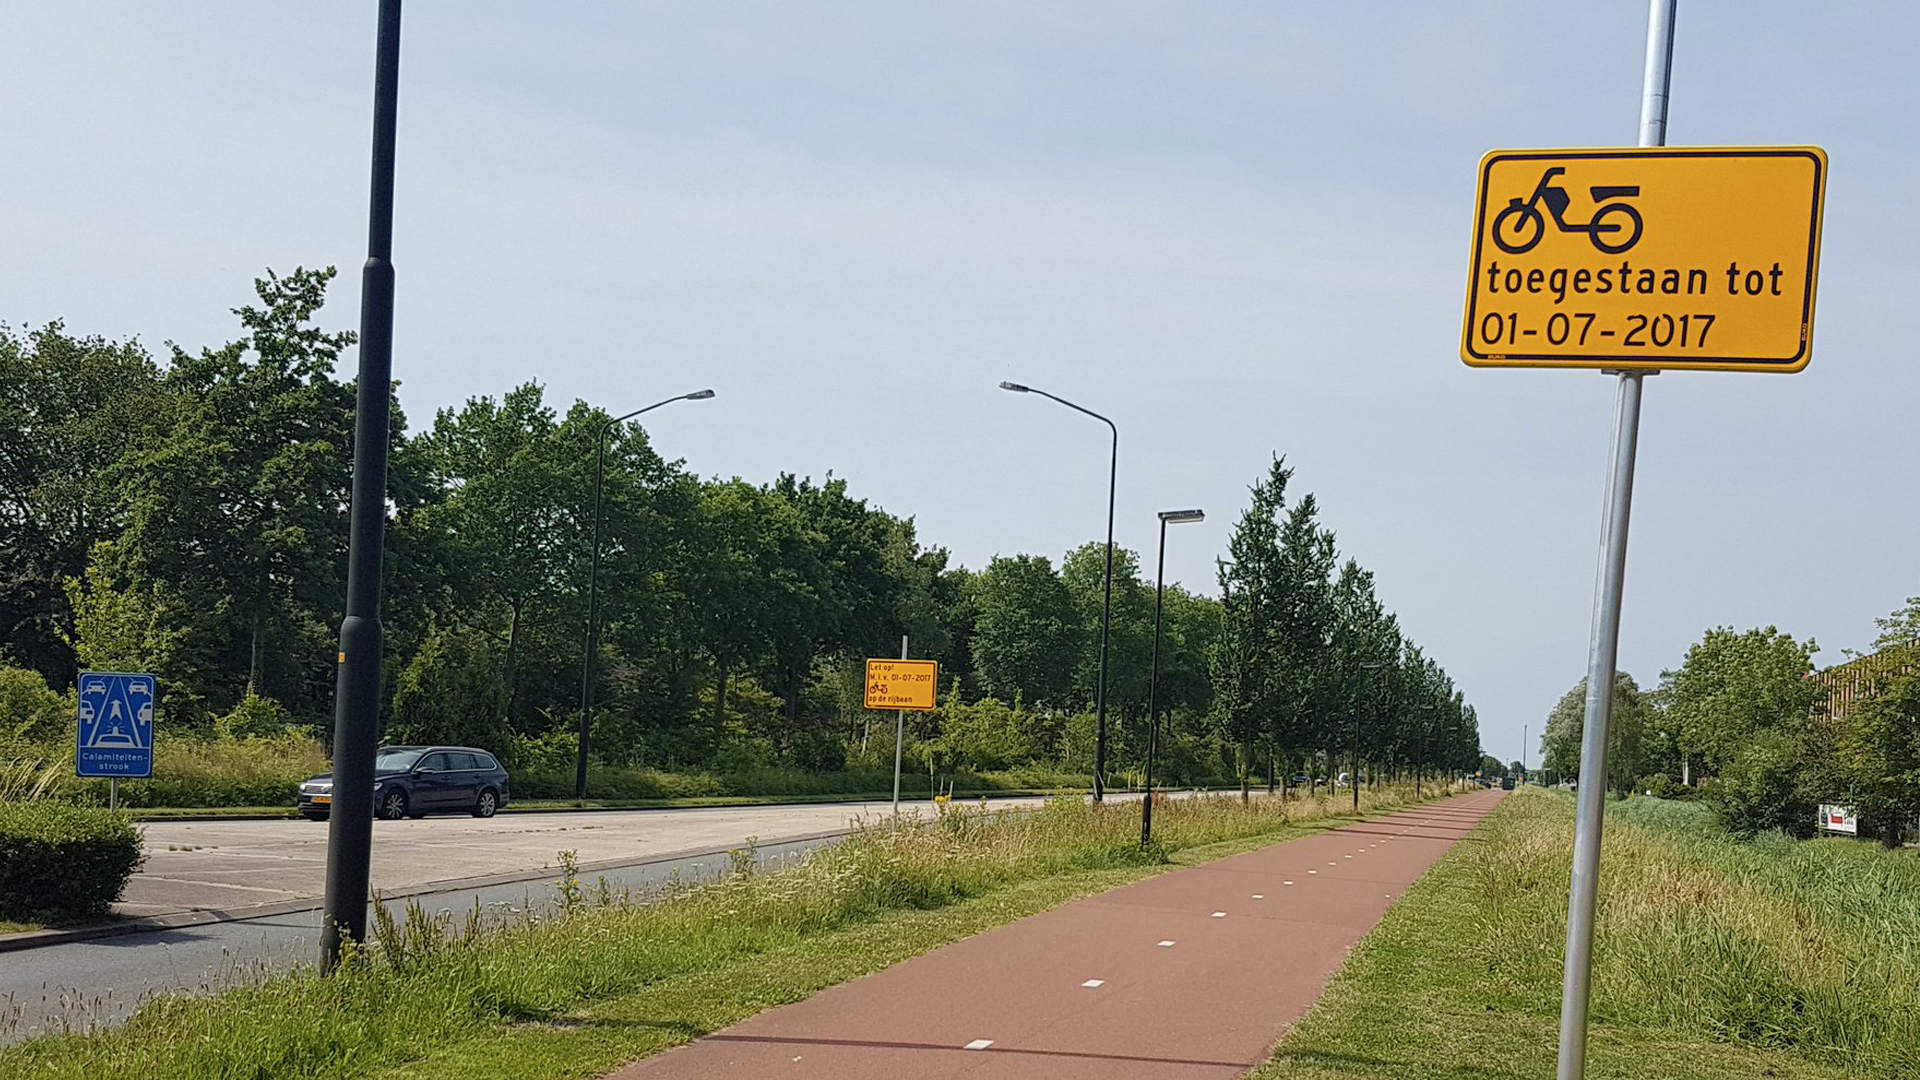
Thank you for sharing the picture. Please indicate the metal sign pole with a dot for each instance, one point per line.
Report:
(1604, 653)
(899, 735)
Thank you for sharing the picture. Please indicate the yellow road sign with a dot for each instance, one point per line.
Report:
(902, 684)
(1678, 258)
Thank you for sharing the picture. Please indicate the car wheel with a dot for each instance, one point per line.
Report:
(393, 805)
(314, 817)
(487, 804)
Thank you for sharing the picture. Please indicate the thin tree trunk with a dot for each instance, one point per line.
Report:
(1246, 766)
(720, 701)
(258, 655)
(510, 670)
(793, 704)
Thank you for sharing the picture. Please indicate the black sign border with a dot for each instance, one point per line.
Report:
(1608, 360)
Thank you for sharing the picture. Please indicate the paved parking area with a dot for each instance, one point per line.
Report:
(222, 865)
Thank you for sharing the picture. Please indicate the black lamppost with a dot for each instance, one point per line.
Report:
(356, 696)
(1167, 517)
(1106, 600)
(593, 582)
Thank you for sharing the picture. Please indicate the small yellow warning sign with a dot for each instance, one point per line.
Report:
(902, 684)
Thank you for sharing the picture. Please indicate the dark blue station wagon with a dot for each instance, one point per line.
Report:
(414, 781)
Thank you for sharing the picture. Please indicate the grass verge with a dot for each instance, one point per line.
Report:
(608, 978)
(1714, 958)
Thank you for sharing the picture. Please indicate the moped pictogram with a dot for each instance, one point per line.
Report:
(1520, 226)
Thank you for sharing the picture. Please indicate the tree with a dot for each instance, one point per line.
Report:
(1130, 644)
(1029, 634)
(1878, 755)
(1734, 686)
(451, 692)
(1304, 606)
(1628, 722)
(119, 625)
(1868, 755)
(71, 410)
(241, 504)
(1243, 659)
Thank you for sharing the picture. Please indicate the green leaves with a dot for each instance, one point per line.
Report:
(1308, 659)
(1631, 721)
(1732, 686)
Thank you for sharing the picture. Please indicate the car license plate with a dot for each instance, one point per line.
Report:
(322, 799)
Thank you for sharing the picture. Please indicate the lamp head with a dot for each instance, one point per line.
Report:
(699, 395)
(1176, 516)
(1015, 387)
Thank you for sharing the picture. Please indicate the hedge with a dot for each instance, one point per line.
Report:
(62, 863)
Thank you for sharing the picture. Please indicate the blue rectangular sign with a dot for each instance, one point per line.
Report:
(116, 724)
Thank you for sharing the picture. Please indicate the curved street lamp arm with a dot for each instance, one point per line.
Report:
(695, 396)
(1079, 409)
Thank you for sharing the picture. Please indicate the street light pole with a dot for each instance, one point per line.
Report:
(593, 582)
(1106, 599)
(356, 697)
(1153, 669)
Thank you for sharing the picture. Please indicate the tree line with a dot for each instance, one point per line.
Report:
(1747, 722)
(188, 516)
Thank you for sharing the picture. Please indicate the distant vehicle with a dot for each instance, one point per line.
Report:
(414, 781)
(1299, 779)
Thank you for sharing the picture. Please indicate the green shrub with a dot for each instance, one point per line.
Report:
(60, 863)
(1662, 786)
(554, 780)
(220, 772)
(30, 711)
(253, 717)
(1761, 789)
(451, 692)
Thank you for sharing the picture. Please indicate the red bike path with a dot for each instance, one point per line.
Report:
(1191, 974)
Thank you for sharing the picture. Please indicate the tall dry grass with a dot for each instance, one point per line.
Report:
(1771, 943)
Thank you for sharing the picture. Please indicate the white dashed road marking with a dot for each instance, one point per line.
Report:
(1166, 944)
(978, 1044)
(1091, 983)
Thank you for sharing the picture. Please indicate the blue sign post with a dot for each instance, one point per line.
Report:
(115, 736)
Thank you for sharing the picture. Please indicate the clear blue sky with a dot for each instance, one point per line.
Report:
(1237, 228)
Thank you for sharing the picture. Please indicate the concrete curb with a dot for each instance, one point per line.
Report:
(34, 939)
(213, 813)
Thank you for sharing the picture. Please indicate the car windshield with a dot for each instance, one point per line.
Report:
(395, 760)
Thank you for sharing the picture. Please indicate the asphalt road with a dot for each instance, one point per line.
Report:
(83, 984)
